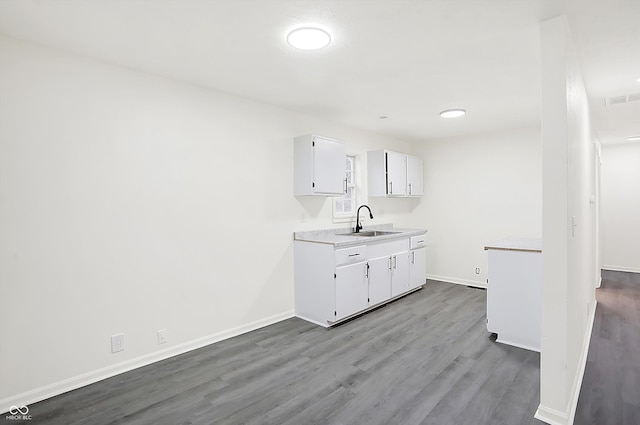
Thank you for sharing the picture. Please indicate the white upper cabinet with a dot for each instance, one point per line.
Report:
(414, 176)
(319, 166)
(394, 174)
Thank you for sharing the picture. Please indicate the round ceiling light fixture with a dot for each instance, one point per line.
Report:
(308, 38)
(453, 113)
(634, 139)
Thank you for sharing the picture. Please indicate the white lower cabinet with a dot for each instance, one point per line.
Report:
(332, 285)
(514, 292)
(388, 268)
(417, 267)
(351, 290)
(399, 273)
(418, 261)
(379, 280)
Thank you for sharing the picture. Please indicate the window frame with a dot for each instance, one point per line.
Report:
(341, 216)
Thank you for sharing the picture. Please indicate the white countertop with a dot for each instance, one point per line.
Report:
(514, 243)
(334, 237)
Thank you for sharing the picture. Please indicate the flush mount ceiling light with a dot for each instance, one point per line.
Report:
(452, 113)
(308, 38)
(634, 139)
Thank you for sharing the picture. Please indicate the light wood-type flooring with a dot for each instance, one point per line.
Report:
(424, 359)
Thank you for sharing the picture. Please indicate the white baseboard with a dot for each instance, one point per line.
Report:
(621, 269)
(556, 417)
(458, 281)
(551, 416)
(577, 385)
(57, 388)
(315, 322)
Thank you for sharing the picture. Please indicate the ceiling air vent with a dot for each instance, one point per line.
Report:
(616, 100)
(634, 97)
(619, 100)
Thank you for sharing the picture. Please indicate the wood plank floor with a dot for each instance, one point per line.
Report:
(424, 359)
(610, 392)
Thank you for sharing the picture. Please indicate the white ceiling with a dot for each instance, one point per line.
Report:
(405, 59)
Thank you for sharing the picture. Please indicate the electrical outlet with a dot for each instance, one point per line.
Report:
(117, 343)
(477, 270)
(162, 336)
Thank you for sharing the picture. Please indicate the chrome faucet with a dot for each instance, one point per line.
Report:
(358, 225)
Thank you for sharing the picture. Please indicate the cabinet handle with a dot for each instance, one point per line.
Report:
(390, 188)
(395, 262)
(389, 263)
(410, 189)
(367, 271)
(354, 255)
(345, 185)
(413, 257)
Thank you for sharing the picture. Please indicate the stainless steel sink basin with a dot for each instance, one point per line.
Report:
(369, 233)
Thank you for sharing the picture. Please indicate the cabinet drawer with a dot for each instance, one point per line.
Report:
(418, 241)
(351, 255)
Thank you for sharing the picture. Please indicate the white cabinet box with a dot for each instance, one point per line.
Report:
(415, 176)
(514, 291)
(417, 261)
(394, 174)
(333, 284)
(351, 290)
(389, 267)
(319, 166)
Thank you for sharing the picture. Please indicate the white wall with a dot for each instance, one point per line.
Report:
(568, 225)
(478, 190)
(132, 203)
(621, 207)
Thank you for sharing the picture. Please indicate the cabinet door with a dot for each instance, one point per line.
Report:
(329, 171)
(379, 280)
(399, 273)
(414, 176)
(396, 174)
(418, 267)
(351, 290)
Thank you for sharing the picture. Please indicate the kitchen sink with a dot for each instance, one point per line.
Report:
(369, 233)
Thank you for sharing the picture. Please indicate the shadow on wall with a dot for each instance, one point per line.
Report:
(394, 210)
(276, 290)
(312, 205)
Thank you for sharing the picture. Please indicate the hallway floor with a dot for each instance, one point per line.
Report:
(610, 393)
